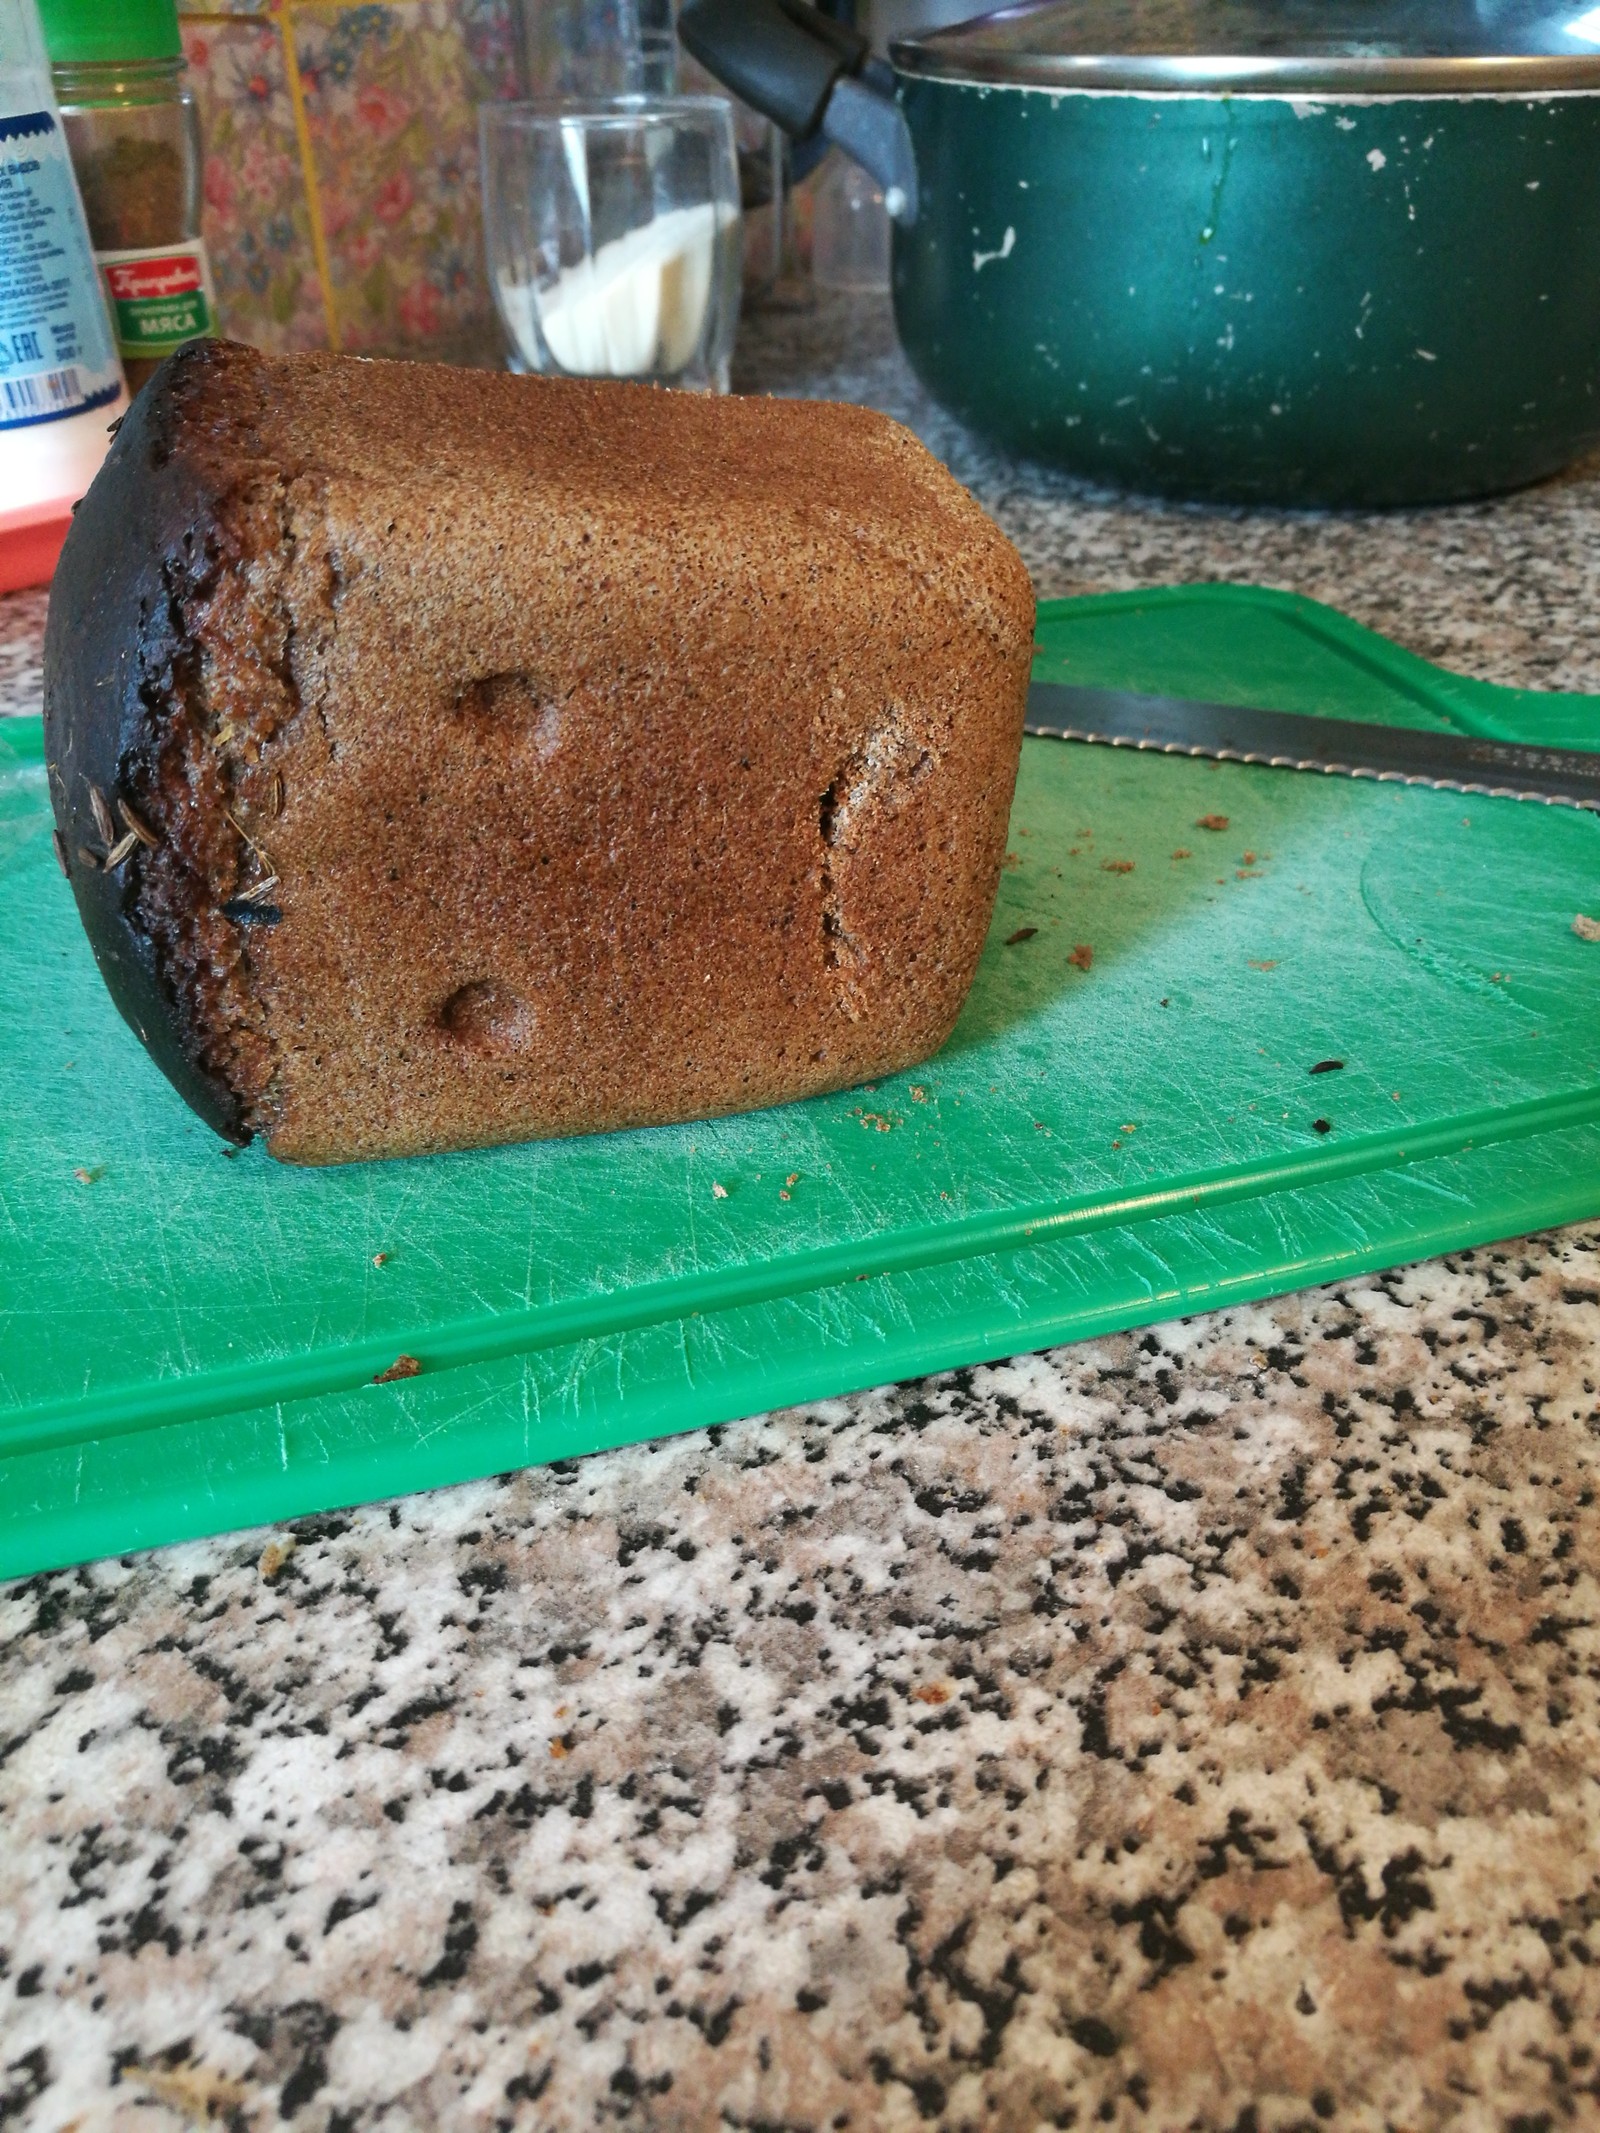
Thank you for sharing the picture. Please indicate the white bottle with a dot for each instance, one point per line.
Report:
(60, 381)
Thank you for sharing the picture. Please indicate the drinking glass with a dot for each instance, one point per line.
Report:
(613, 236)
(589, 48)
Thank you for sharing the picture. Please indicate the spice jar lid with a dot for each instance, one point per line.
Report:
(83, 32)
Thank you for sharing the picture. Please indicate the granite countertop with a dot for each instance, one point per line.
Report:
(1196, 1728)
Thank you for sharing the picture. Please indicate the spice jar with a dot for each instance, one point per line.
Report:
(134, 133)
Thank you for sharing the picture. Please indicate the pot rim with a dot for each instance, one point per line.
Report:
(1187, 74)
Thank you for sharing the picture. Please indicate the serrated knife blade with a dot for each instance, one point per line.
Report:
(1296, 740)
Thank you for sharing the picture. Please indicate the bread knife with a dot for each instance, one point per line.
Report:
(1295, 740)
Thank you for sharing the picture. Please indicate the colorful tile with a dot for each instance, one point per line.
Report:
(255, 213)
(387, 158)
(390, 94)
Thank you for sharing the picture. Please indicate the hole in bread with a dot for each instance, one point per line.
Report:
(488, 1017)
(828, 812)
(516, 698)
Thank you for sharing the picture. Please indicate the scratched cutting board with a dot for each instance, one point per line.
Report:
(1123, 1128)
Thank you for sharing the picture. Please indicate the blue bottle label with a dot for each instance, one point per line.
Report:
(56, 352)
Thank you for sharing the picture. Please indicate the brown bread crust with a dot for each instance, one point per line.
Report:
(521, 757)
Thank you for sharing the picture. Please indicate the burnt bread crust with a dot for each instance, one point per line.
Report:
(116, 651)
(509, 757)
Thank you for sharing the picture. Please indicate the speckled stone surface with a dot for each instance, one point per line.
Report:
(1197, 1728)
(21, 649)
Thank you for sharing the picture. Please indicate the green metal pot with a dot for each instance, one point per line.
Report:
(1359, 264)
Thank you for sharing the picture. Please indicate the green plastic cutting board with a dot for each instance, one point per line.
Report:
(1123, 1128)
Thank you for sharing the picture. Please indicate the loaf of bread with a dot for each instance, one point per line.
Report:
(443, 758)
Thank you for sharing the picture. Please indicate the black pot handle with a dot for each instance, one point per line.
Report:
(810, 75)
(781, 66)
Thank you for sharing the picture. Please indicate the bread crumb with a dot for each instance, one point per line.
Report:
(1023, 933)
(403, 1366)
(718, 1192)
(1587, 929)
(1212, 822)
(274, 1555)
(1116, 866)
(1082, 956)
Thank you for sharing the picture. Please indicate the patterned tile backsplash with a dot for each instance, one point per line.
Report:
(341, 170)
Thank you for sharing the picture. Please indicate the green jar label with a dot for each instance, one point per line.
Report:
(160, 297)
